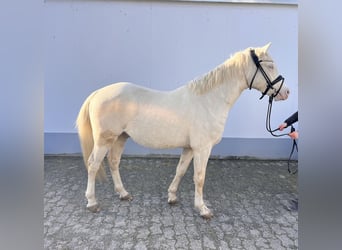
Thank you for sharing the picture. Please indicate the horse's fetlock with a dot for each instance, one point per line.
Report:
(172, 190)
(89, 196)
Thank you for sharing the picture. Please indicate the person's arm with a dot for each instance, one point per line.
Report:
(289, 121)
(292, 119)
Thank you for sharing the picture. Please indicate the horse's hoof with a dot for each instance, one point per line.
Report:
(206, 213)
(207, 216)
(172, 201)
(127, 197)
(94, 208)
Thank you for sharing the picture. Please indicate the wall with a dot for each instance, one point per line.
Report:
(163, 45)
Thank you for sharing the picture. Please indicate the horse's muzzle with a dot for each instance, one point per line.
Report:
(283, 94)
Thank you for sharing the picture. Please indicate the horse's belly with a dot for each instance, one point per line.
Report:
(154, 134)
(159, 142)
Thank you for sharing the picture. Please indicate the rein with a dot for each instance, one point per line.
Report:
(270, 84)
(271, 131)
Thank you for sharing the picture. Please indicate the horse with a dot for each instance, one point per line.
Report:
(191, 117)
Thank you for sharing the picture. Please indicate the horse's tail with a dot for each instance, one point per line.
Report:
(85, 134)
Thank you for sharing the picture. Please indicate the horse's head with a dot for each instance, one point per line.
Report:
(262, 74)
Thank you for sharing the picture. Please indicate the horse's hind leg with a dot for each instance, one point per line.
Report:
(114, 157)
(94, 162)
(182, 166)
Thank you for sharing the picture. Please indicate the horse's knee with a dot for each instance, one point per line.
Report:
(114, 162)
(199, 179)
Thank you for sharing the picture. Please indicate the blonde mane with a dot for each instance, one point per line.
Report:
(229, 69)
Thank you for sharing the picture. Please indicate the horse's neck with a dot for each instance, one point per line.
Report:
(217, 91)
(225, 95)
(233, 90)
(221, 86)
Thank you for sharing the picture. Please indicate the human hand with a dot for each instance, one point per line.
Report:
(294, 135)
(282, 126)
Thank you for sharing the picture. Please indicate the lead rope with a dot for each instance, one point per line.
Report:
(268, 128)
(294, 146)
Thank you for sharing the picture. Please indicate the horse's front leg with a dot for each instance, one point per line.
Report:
(200, 165)
(182, 167)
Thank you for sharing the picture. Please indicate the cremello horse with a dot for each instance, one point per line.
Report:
(192, 117)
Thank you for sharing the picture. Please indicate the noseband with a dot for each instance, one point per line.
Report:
(268, 81)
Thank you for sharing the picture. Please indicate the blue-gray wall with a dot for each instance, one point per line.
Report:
(262, 148)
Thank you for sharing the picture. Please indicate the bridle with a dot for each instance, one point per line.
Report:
(270, 85)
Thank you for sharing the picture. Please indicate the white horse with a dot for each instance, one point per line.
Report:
(192, 117)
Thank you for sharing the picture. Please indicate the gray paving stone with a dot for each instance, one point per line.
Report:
(253, 201)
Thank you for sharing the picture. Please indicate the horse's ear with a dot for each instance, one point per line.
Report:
(266, 47)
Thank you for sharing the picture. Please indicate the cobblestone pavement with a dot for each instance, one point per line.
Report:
(253, 201)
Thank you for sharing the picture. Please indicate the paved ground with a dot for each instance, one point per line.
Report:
(253, 203)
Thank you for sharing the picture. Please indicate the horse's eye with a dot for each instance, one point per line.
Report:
(270, 66)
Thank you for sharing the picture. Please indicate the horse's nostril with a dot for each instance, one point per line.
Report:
(287, 92)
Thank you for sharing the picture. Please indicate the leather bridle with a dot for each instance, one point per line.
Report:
(270, 83)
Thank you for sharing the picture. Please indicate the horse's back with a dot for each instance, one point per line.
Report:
(127, 90)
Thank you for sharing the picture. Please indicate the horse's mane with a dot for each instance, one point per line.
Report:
(218, 75)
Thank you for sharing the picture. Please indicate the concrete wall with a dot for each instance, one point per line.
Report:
(163, 45)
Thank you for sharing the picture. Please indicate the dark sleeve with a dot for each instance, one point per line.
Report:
(292, 119)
